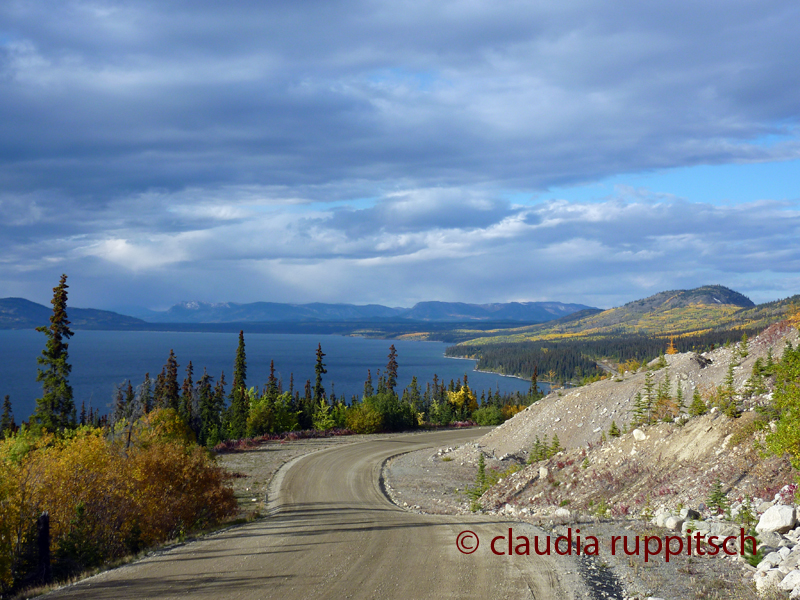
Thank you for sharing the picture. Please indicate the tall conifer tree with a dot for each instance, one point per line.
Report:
(319, 370)
(55, 410)
(7, 424)
(237, 422)
(391, 369)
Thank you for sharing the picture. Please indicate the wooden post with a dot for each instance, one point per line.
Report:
(43, 542)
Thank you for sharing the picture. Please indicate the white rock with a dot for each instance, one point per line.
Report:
(562, 513)
(661, 515)
(770, 561)
(639, 435)
(766, 580)
(791, 581)
(780, 518)
(543, 472)
(673, 523)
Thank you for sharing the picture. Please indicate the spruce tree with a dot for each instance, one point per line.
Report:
(555, 445)
(237, 422)
(7, 424)
(319, 370)
(697, 407)
(391, 369)
(209, 416)
(187, 395)
(414, 398)
(272, 382)
(614, 431)
(368, 389)
(171, 387)
(55, 410)
(146, 394)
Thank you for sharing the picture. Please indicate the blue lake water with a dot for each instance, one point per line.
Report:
(103, 359)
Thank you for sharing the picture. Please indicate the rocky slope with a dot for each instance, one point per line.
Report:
(642, 478)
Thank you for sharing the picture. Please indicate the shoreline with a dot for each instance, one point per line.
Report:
(476, 370)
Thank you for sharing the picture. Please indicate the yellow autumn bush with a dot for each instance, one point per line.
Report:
(107, 495)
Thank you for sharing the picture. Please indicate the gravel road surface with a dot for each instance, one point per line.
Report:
(334, 534)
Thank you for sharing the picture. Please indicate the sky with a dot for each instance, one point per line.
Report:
(398, 151)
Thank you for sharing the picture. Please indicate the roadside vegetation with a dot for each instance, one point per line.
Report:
(81, 489)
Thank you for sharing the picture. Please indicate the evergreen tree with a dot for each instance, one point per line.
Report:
(170, 390)
(679, 399)
(414, 398)
(82, 419)
(146, 393)
(7, 424)
(209, 415)
(697, 407)
(159, 393)
(272, 382)
(533, 393)
(614, 431)
(319, 370)
(391, 369)
(743, 349)
(555, 445)
(237, 421)
(368, 389)
(55, 410)
(215, 429)
(187, 394)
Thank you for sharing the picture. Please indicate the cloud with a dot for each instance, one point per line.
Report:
(359, 151)
(403, 249)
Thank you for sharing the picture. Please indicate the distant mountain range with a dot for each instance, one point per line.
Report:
(263, 312)
(19, 313)
(666, 313)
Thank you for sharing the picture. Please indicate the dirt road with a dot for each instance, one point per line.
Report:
(335, 535)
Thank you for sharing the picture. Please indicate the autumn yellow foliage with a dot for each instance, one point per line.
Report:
(107, 495)
(463, 397)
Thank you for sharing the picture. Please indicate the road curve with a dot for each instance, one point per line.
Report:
(337, 536)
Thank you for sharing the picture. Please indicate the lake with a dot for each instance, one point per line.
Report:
(103, 359)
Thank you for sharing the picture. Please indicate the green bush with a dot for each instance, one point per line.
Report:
(488, 415)
(364, 418)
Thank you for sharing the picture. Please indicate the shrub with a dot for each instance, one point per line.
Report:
(488, 415)
(105, 497)
(364, 418)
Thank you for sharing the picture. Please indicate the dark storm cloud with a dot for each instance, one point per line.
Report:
(159, 149)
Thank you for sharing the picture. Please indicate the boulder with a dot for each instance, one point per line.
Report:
(543, 472)
(673, 523)
(661, 515)
(764, 506)
(770, 561)
(780, 518)
(769, 538)
(562, 513)
(639, 435)
(767, 580)
(791, 581)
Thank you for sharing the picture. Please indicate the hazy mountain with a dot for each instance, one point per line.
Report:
(536, 312)
(230, 312)
(19, 313)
